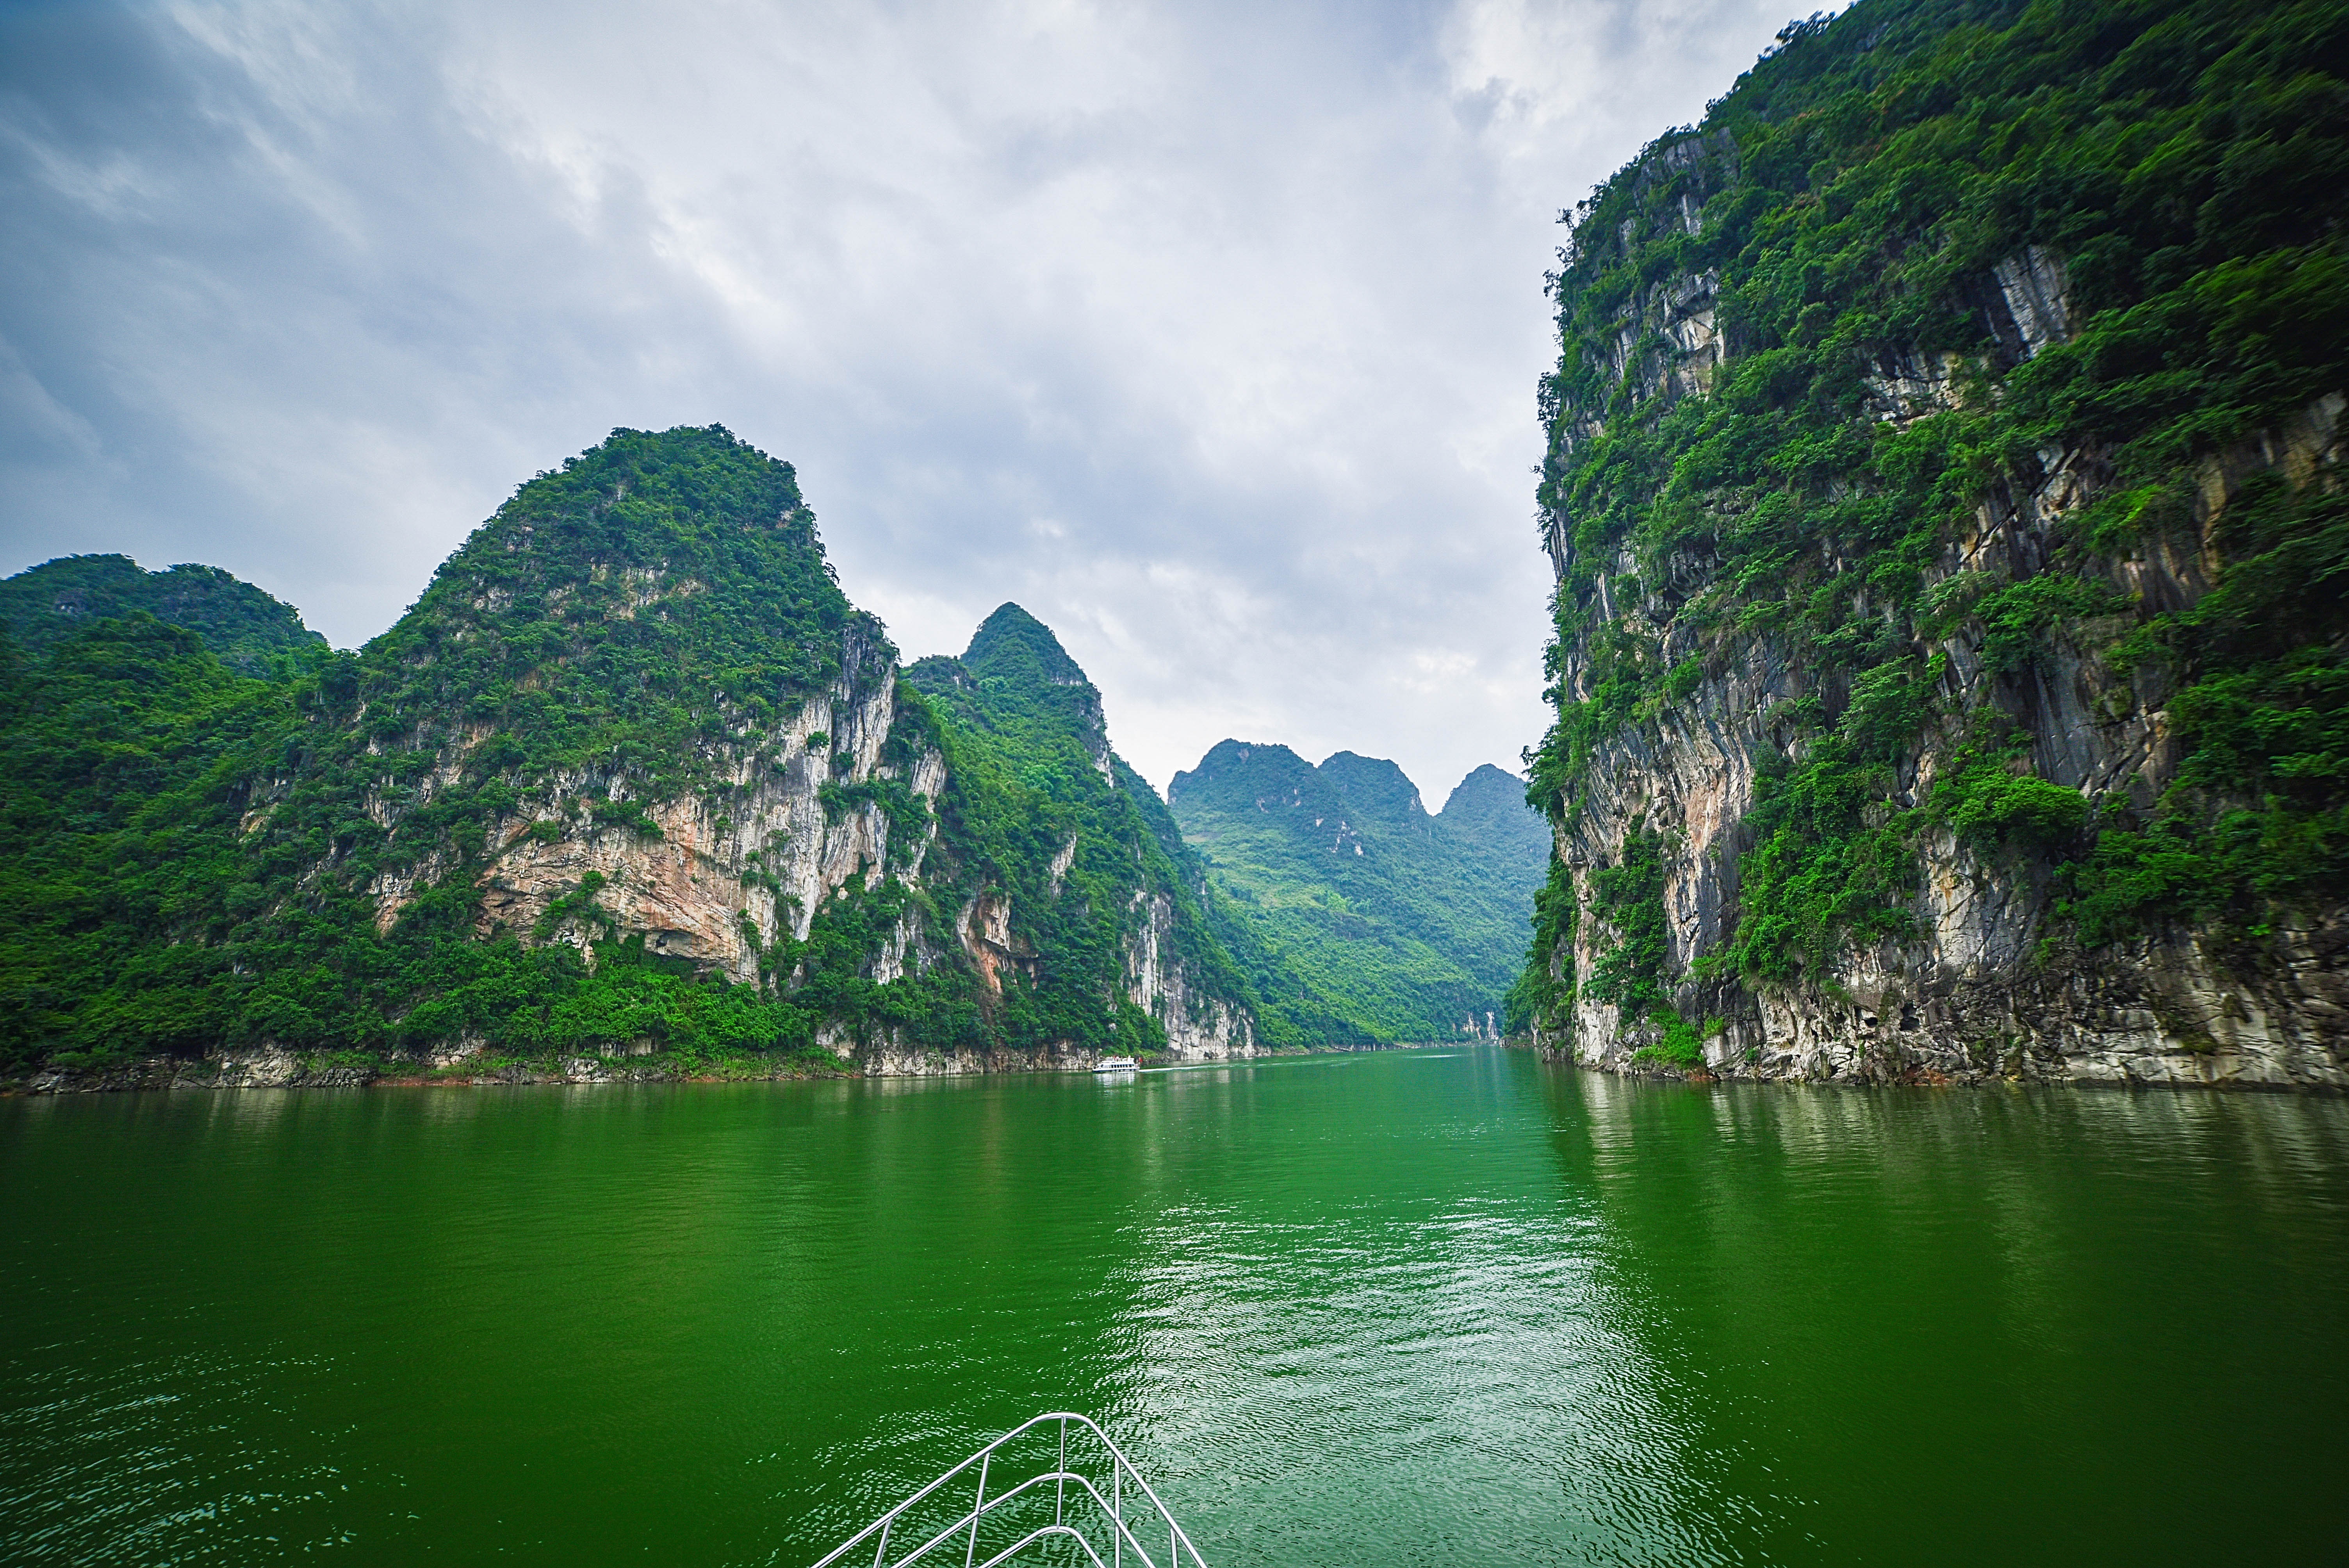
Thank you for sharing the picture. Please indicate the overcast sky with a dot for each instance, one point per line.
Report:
(1208, 333)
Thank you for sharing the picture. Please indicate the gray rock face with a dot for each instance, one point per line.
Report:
(725, 878)
(1199, 1028)
(1986, 986)
(737, 867)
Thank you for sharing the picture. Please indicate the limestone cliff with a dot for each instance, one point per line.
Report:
(732, 871)
(1950, 657)
(1113, 908)
(632, 779)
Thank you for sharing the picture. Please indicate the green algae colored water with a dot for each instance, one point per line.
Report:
(1411, 1307)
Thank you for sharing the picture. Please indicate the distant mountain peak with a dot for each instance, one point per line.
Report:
(1487, 783)
(1374, 784)
(1264, 775)
(1411, 926)
(1490, 805)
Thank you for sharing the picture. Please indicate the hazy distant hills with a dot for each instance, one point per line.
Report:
(1408, 926)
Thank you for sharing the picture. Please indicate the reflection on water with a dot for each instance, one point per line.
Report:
(1993, 1322)
(1397, 1308)
(1390, 1342)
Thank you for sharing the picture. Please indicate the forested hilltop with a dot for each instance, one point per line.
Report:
(631, 786)
(244, 627)
(1399, 926)
(1944, 495)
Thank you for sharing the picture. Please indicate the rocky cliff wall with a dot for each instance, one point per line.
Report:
(741, 866)
(1950, 649)
(1109, 911)
(1987, 985)
(1200, 1028)
(632, 782)
(735, 867)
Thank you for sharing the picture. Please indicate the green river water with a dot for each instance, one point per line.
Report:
(1407, 1307)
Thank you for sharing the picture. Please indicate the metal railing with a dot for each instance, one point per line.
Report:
(1128, 1516)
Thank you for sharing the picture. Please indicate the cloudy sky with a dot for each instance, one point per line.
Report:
(1207, 332)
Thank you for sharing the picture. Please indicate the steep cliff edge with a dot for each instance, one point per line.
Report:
(1952, 664)
(1083, 917)
(632, 779)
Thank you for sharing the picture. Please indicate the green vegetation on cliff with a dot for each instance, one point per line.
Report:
(419, 847)
(633, 610)
(1950, 245)
(1398, 924)
(116, 752)
(1041, 813)
(602, 624)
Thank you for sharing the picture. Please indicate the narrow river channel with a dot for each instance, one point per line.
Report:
(1409, 1308)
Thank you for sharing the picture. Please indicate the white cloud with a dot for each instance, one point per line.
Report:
(1209, 334)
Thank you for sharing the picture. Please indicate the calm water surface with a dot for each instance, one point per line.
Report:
(1406, 1308)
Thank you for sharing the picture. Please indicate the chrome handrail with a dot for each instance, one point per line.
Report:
(1180, 1553)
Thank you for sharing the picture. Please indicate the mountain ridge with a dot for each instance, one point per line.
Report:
(632, 777)
(245, 628)
(1407, 924)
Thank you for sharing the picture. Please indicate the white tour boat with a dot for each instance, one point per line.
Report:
(1117, 1065)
